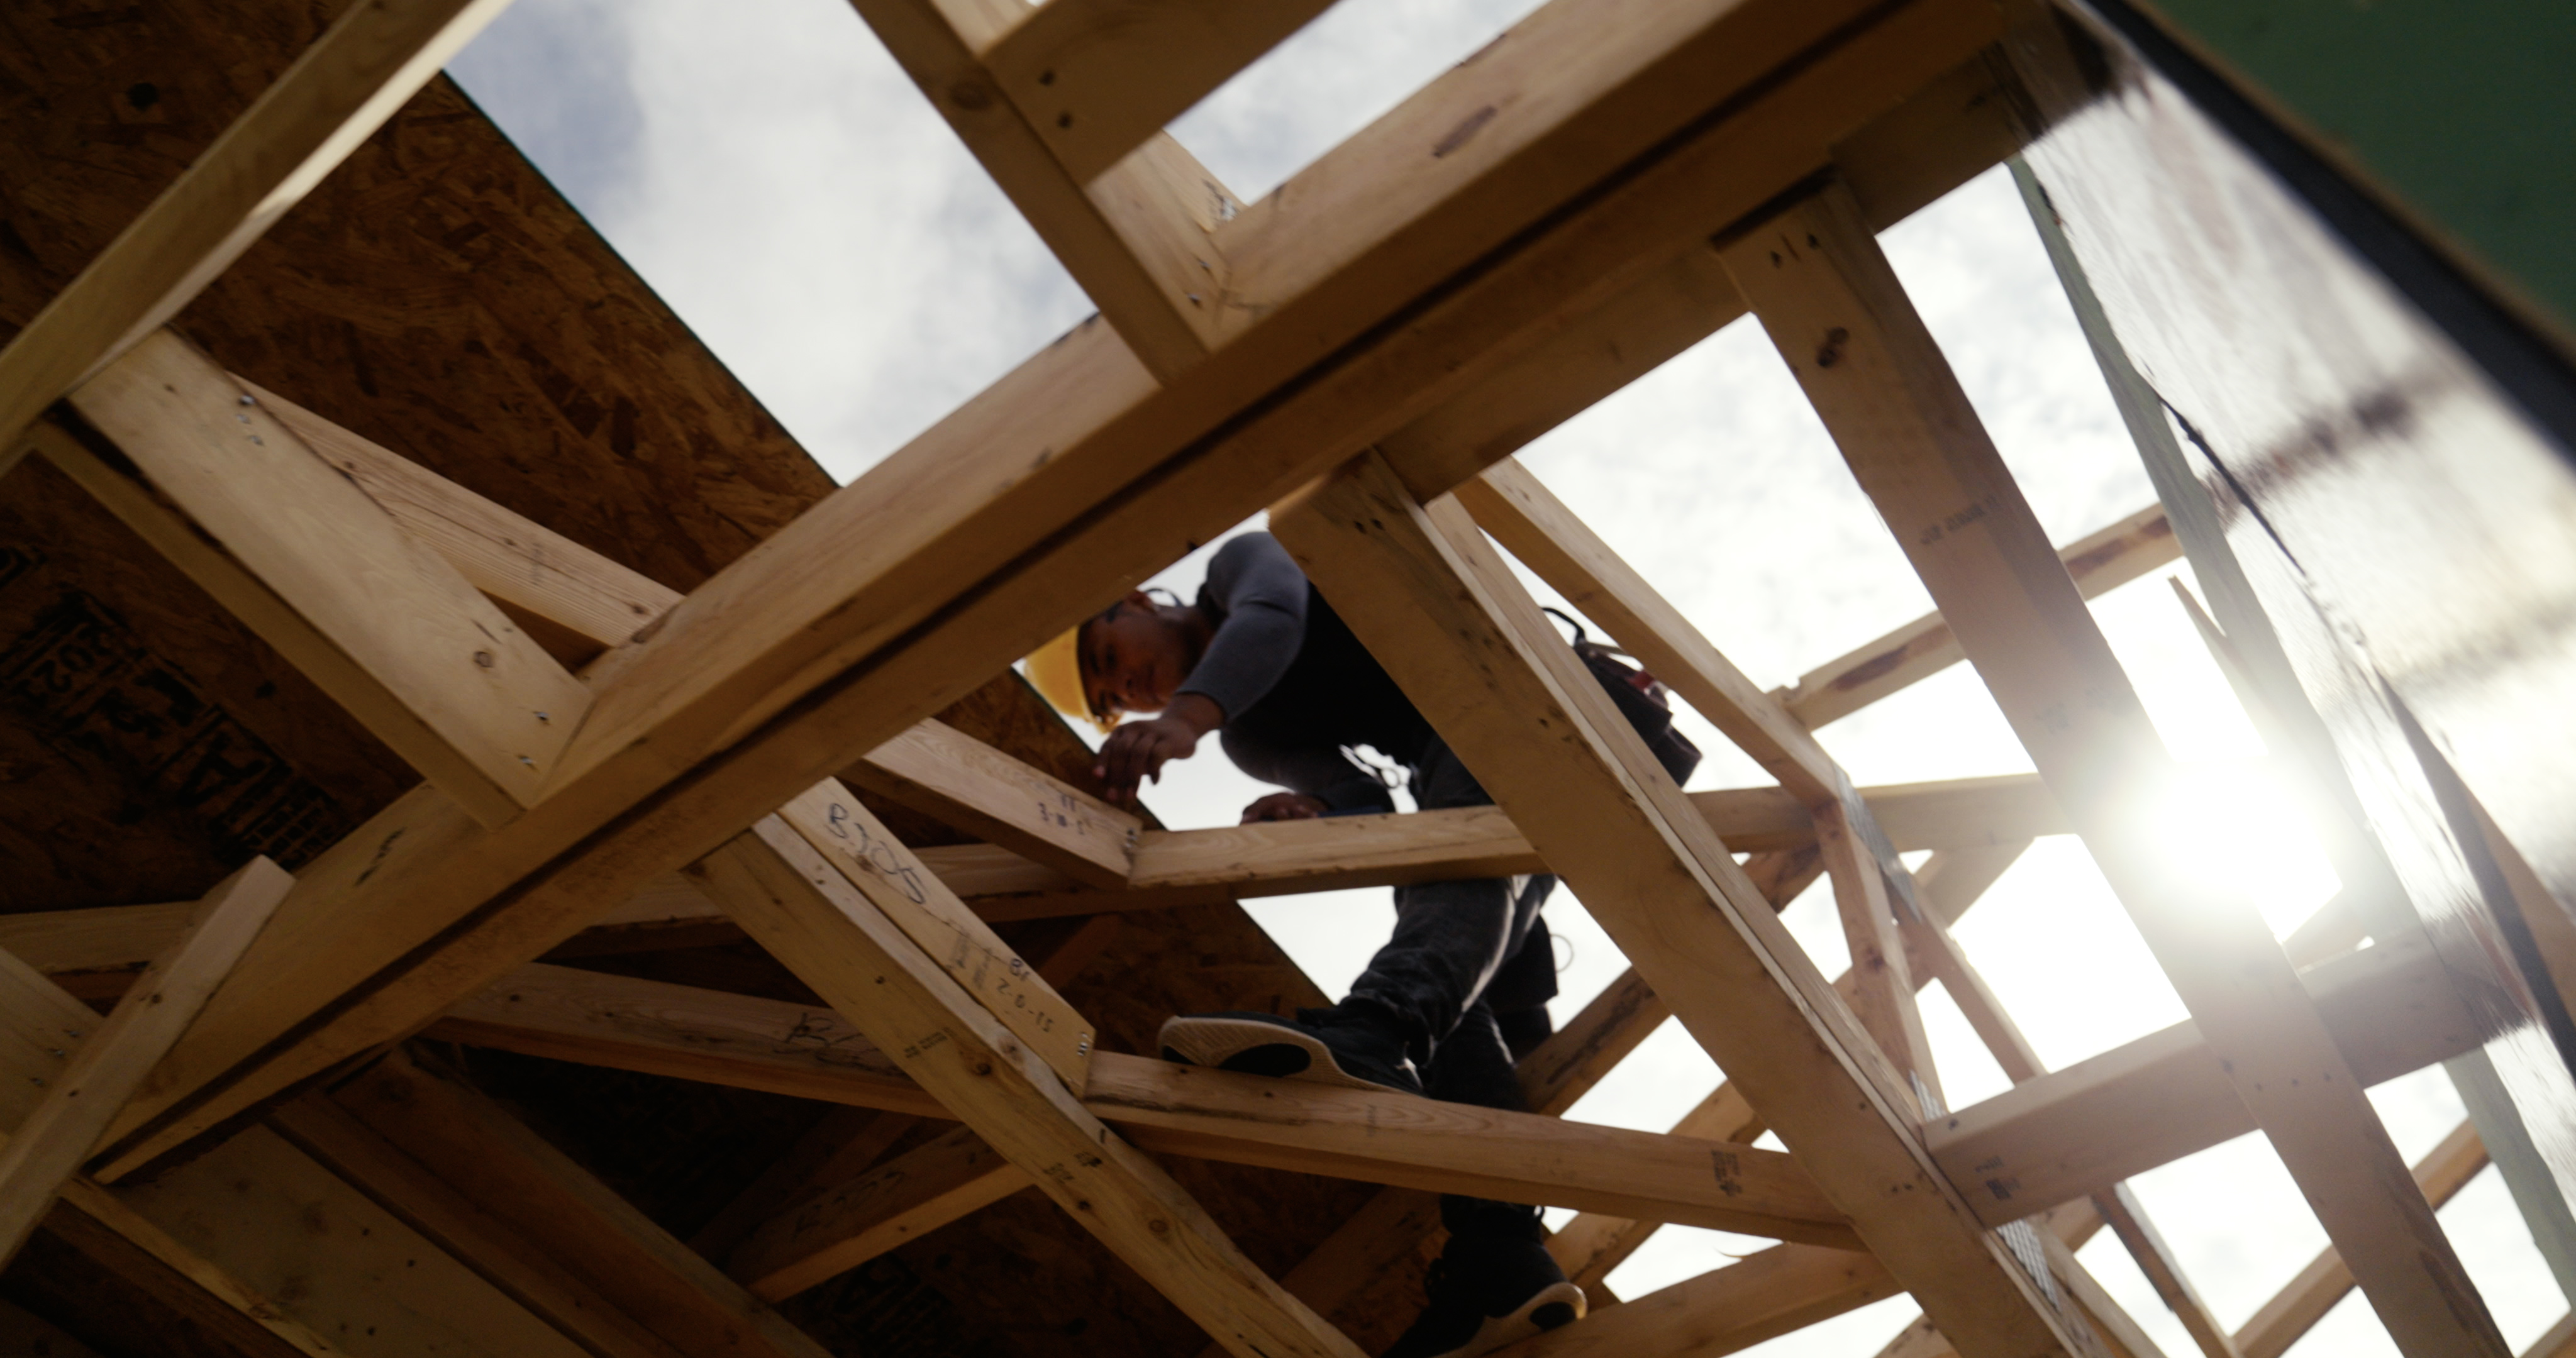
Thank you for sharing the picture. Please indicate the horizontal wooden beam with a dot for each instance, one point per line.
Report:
(893, 1204)
(2083, 1128)
(2098, 563)
(372, 59)
(664, 1029)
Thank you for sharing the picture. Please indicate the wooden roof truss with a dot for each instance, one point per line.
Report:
(1360, 352)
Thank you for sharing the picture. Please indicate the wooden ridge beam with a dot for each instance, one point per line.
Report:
(1038, 501)
(370, 61)
(829, 929)
(2099, 562)
(1838, 315)
(1422, 588)
(386, 627)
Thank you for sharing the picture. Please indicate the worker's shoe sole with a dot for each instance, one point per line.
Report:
(1265, 1044)
(1551, 1308)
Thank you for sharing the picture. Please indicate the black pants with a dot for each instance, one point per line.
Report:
(1459, 948)
(1470, 970)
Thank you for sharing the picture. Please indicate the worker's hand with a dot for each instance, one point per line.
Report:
(1285, 806)
(1138, 750)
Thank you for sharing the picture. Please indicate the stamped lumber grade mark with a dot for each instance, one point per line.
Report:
(940, 924)
(1943, 527)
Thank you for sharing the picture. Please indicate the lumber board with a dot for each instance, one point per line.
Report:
(1132, 229)
(1007, 985)
(353, 78)
(1537, 528)
(866, 614)
(1879, 989)
(2099, 562)
(102, 1208)
(1422, 587)
(829, 929)
(915, 1193)
(465, 1230)
(1840, 318)
(2559, 1341)
(493, 1159)
(937, 770)
(507, 556)
(1459, 1148)
(2114, 1116)
(2298, 1306)
(46, 1150)
(1765, 1295)
(383, 624)
(660, 1028)
(1097, 78)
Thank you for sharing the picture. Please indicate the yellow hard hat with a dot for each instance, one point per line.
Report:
(1055, 671)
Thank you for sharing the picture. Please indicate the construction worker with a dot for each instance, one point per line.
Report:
(1459, 992)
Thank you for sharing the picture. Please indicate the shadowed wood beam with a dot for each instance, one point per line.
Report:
(1061, 486)
(940, 771)
(1836, 312)
(2296, 1309)
(828, 928)
(2098, 563)
(898, 1202)
(371, 60)
(1763, 1296)
(46, 1150)
(847, 1142)
(494, 1161)
(381, 623)
(1097, 78)
(96, 1205)
(528, 1273)
(658, 1028)
(1438, 607)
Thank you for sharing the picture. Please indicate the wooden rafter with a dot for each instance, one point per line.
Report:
(822, 620)
(1423, 588)
(1836, 312)
(371, 60)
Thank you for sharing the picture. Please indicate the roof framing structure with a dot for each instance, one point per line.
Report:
(612, 770)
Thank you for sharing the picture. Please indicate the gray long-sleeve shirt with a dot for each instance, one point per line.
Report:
(1294, 684)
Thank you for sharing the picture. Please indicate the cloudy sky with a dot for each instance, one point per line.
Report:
(772, 173)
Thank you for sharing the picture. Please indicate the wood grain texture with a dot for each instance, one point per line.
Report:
(1440, 609)
(355, 75)
(46, 1149)
(1837, 314)
(798, 904)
